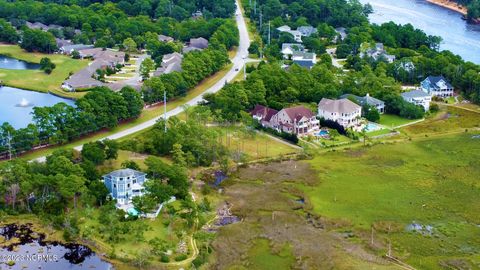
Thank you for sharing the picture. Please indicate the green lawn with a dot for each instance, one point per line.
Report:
(38, 80)
(430, 181)
(392, 121)
(262, 257)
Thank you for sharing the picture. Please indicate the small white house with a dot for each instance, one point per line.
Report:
(343, 111)
(418, 97)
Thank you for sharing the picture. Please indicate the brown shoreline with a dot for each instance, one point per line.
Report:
(450, 5)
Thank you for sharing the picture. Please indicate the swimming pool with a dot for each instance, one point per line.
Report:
(322, 133)
(372, 127)
(132, 211)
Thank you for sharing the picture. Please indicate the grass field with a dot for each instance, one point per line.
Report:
(254, 145)
(38, 80)
(430, 182)
(392, 121)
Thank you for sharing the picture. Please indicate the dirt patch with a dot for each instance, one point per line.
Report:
(266, 199)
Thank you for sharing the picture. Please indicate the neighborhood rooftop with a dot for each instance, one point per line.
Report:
(339, 105)
(415, 94)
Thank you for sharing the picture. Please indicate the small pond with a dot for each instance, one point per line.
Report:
(12, 63)
(16, 105)
(29, 250)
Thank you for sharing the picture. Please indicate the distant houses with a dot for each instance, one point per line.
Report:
(302, 31)
(125, 184)
(367, 100)
(437, 86)
(343, 111)
(69, 49)
(103, 59)
(296, 120)
(163, 38)
(379, 53)
(418, 97)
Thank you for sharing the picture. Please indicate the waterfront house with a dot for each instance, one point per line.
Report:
(289, 48)
(343, 111)
(437, 86)
(125, 184)
(367, 100)
(379, 53)
(263, 115)
(296, 120)
(418, 97)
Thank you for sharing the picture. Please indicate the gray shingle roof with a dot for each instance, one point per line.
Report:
(125, 173)
(433, 82)
(415, 94)
(338, 105)
(365, 100)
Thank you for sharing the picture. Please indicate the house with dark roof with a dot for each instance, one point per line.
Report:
(296, 120)
(125, 184)
(367, 100)
(307, 31)
(304, 59)
(418, 97)
(343, 111)
(199, 43)
(263, 115)
(68, 49)
(437, 86)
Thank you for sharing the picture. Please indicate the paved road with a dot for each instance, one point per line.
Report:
(238, 63)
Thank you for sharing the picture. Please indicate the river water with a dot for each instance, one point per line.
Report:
(458, 36)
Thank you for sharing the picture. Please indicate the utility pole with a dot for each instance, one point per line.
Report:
(269, 32)
(165, 108)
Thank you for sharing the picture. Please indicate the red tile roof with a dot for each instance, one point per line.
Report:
(298, 112)
(264, 112)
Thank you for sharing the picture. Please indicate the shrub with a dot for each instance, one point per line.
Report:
(181, 257)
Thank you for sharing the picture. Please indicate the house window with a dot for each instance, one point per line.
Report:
(128, 185)
(134, 181)
(114, 185)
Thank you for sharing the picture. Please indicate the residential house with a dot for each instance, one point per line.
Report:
(307, 31)
(263, 115)
(341, 34)
(418, 97)
(437, 86)
(68, 49)
(170, 63)
(343, 111)
(297, 35)
(63, 42)
(196, 44)
(125, 184)
(378, 53)
(296, 120)
(289, 48)
(197, 14)
(367, 100)
(304, 59)
(164, 38)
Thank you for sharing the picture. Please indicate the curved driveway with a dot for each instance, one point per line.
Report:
(238, 62)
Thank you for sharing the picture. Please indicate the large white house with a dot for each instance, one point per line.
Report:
(125, 184)
(418, 97)
(343, 111)
(437, 86)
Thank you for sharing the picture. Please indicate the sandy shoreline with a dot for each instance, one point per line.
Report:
(450, 5)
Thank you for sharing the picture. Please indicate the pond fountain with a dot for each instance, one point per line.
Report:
(16, 105)
(24, 103)
(12, 63)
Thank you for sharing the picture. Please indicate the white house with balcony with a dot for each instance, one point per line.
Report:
(437, 86)
(418, 97)
(125, 184)
(343, 111)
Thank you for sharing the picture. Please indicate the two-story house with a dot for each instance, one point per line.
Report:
(418, 97)
(296, 120)
(437, 86)
(263, 114)
(125, 184)
(343, 111)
